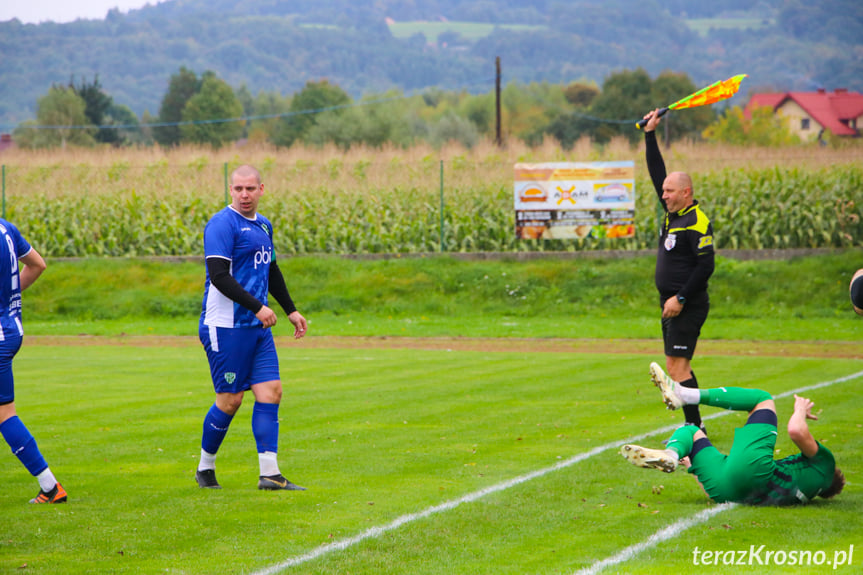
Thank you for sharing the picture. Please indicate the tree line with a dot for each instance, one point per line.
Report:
(279, 46)
(205, 110)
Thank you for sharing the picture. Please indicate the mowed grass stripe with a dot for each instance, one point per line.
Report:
(374, 434)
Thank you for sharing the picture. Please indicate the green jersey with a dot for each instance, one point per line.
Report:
(797, 479)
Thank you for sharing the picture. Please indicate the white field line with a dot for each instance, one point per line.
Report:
(663, 534)
(374, 532)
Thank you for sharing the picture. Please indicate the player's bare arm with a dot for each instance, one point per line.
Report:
(798, 428)
(33, 267)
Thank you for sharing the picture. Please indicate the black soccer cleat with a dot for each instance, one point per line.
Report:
(277, 483)
(56, 495)
(207, 479)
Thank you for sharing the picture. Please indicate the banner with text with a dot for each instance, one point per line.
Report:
(575, 200)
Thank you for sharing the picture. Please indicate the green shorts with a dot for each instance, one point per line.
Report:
(746, 469)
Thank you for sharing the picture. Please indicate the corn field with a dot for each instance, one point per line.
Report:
(147, 202)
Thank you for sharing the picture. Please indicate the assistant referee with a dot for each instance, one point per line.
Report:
(684, 263)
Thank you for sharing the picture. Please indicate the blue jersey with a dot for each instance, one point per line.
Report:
(12, 247)
(248, 246)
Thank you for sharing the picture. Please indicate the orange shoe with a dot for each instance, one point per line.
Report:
(56, 495)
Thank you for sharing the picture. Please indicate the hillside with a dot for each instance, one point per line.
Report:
(370, 46)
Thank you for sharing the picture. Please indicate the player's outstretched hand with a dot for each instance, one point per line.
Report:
(805, 406)
(300, 324)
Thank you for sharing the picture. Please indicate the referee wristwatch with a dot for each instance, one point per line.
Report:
(681, 299)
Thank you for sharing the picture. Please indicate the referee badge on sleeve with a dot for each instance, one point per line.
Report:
(670, 242)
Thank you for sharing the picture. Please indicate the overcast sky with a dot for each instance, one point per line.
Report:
(35, 11)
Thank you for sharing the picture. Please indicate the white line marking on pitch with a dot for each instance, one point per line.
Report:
(663, 534)
(470, 497)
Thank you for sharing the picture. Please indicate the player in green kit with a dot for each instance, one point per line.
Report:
(748, 474)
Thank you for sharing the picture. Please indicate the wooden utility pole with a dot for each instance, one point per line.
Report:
(498, 137)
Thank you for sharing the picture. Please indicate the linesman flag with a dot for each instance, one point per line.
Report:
(715, 92)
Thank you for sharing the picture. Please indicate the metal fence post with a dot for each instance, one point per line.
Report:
(441, 207)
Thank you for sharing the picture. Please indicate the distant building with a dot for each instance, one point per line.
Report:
(812, 114)
(6, 142)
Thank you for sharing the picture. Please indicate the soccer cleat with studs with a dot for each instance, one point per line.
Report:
(649, 458)
(667, 386)
(277, 483)
(206, 479)
(56, 495)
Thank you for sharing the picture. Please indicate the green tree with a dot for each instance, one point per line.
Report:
(97, 107)
(625, 96)
(215, 101)
(762, 128)
(314, 98)
(128, 128)
(669, 87)
(581, 94)
(61, 113)
(270, 104)
(183, 85)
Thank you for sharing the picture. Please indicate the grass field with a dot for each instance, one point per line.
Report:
(417, 461)
(469, 30)
(704, 25)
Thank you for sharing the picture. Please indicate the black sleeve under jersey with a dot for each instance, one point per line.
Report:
(655, 164)
(220, 276)
(280, 290)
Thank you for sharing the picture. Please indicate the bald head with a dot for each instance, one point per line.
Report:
(246, 171)
(682, 180)
(677, 191)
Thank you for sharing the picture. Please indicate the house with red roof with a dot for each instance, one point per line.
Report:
(6, 142)
(811, 114)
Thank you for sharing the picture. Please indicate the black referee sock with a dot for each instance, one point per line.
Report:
(691, 412)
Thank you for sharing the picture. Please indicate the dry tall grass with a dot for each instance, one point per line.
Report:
(201, 170)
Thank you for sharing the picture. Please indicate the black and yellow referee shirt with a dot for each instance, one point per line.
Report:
(685, 259)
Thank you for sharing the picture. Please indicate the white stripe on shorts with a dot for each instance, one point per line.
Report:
(214, 338)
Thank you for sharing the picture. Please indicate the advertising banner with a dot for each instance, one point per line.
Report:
(575, 200)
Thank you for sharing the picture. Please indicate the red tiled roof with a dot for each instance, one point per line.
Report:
(6, 142)
(826, 108)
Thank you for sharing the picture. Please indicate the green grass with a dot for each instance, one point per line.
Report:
(377, 435)
(798, 299)
(469, 30)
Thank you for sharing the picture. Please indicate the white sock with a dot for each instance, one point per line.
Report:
(689, 395)
(673, 455)
(208, 461)
(47, 481)
(269, 463)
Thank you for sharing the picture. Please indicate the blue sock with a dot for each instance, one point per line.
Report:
(265, 426)
(23, 445)
(215, 428)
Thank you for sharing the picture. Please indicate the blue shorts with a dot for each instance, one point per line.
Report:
(8, 348)
(239, 357)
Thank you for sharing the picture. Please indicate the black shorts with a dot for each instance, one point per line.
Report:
(680, 333)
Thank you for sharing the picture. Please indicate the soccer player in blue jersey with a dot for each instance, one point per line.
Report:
(15, 278)
(235, 328)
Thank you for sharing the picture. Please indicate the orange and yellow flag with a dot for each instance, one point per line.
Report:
(712, 93)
